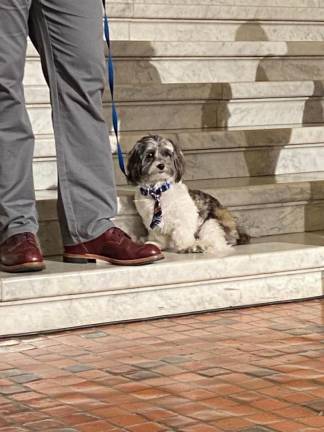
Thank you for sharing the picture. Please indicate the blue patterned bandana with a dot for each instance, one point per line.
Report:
(155, 193)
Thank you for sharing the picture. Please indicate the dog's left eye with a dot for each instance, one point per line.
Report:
(166, 154)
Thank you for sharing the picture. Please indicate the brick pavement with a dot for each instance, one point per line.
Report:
(251, 370)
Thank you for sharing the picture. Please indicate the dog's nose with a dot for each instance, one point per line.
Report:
(161, 166)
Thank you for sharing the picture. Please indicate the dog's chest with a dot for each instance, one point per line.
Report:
(175, 203)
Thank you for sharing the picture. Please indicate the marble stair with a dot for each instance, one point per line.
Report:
(142, 62)
(240, 85)
(66, 296)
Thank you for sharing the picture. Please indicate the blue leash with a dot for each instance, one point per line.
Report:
(111, 81)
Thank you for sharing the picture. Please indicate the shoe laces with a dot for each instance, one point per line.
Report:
(119, 234)
(27, 236)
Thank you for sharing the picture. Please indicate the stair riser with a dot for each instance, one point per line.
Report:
(257, 221)
(256, 162)
(218, 11)
(197, 115)
(177, 70)
(50, 235)
(212, 165)
(245, 3)
(278, 138)
(210, 31)
(265, 112)
(180, 115)
(73, 311)
(242, 10)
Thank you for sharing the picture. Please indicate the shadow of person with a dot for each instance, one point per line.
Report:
(133, 66)
(313, 114)
(135, 63)
(314, 106)
(263, 146)
(268, 161)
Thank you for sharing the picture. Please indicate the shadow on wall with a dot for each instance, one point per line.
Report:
(264, 146)
(313, 108)
(266, 161)
(314, 209)
(314, 114)
(139, 70)
(130, 71)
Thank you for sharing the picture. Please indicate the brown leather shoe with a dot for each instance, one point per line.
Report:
(21, 253)
(113, 246)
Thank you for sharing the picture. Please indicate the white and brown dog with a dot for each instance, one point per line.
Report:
(177, 219)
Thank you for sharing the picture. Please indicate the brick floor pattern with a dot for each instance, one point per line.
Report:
(252, 370)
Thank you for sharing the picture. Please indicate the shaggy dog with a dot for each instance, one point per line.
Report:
(177, 219)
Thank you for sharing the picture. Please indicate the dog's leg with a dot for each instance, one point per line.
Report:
(162, 241)
(183, 240)
(228, 222)
(212, 238)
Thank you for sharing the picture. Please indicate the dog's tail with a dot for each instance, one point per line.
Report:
(244, 238)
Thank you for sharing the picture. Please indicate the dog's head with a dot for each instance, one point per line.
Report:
(155, 159)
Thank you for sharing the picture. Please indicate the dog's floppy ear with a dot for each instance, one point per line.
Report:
(134, 164)
(179, 162)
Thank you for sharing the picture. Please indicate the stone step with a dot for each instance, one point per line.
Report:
(242, 10)
(212, 30)
(215, 30)
(263, 206)
(197, 106)
(227, 91)
(295, 10)
(142, 62)
(124, 49)
(216, 154)
(67, 296)
(212, 139)
(207, 164)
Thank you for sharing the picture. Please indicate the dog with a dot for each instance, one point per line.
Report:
(176, 218)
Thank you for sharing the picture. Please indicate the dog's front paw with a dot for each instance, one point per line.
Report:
(192, 249)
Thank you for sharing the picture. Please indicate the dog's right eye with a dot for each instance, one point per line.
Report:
(149, 155)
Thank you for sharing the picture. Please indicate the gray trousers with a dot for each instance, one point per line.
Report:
(68, 37)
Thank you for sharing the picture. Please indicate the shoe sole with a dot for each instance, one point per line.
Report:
(23, 268)
(90, 258)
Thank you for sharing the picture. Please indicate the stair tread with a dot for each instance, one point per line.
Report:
(285, 253)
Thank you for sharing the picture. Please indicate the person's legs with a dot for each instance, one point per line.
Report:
(68, 36)
(17, 199)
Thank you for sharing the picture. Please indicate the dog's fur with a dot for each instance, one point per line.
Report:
(192, 221)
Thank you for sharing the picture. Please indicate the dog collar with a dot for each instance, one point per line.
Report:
(155, 193)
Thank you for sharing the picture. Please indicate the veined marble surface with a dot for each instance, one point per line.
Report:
(212, 139)
(68, 295)
(62, 279)
(178, 92)
(199, 70)
(222, 164)
(71, 311)
(225, 11)
(263, 206)
(179, 30)
(257, 221)
(202, 114)
(301, 10)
